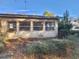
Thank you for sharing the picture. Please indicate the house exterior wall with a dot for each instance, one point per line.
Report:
(3, 26)
(75, 25)
(28, 34)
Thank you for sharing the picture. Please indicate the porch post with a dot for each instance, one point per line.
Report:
(3, 26)
(43, 25)
(56, 25)
(31, 27)
(17, 26)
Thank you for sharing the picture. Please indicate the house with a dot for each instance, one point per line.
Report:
(28, 26)
(75, 24)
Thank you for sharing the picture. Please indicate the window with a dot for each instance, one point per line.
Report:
(37, 26)
(12, 26)
(49, 26)
(24, 26)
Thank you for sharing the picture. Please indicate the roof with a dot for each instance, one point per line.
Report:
(27, 16)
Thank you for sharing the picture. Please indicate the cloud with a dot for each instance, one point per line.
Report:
(23, 10)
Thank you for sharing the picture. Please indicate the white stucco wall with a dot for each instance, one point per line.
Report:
(75, 24)
(34, 34)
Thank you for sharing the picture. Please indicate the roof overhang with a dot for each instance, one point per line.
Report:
(27, 16)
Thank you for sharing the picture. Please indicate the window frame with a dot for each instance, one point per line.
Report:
(41, 26)
(50, 28)
(24, 26)
(14, 24)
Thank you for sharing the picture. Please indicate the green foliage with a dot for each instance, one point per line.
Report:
(2, 45)
(64, 29)
(75, 39)
(56, 47)
(36, 48)
(66, 16)
(46, 47)
(64, 25)
(47, 13)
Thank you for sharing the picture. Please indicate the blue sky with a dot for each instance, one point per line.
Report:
(39, 6)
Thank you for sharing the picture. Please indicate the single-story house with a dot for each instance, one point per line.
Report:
(28, 26)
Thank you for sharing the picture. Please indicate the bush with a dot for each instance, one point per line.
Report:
(75, 39)
(46, 47)
(2, 44)
(2, 47)
(56, 47)
(36, 48)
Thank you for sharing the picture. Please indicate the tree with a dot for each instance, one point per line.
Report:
(64, 25)
(47, 13)
(66, 16)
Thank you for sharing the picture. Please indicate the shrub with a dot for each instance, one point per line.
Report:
(75, 40)
(2, 47)
(46, 47)
(36, 48)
